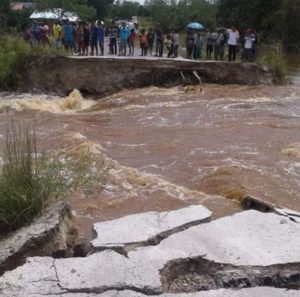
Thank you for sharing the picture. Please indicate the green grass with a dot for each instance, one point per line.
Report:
(30, 182)
(277, 62)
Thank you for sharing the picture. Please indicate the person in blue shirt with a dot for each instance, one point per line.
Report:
(124, 34)
(69, 36)
(35, 33)
(94, 38)
(101, 34)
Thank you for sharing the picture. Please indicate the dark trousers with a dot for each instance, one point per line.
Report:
(144, 49)
(175, 50)
(189, 51)
(231, 52)
(101, 45)
(150, 47)
(247, 55)
(113, 46)
(209, 51)
(94, 46)
(159, 48)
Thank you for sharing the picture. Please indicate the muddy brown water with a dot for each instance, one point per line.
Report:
(167, 147)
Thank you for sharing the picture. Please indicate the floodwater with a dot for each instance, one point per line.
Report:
(166, 148)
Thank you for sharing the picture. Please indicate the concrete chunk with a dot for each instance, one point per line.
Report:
(249, 292)
(142, 227)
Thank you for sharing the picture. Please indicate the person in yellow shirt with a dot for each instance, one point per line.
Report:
(57, 32)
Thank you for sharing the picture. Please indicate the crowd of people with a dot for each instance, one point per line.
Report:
(83, 38)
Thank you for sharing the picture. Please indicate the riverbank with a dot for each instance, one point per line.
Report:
(106, 75)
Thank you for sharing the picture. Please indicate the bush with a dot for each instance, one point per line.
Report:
(28, 182)
(13, 53)
(278, 65)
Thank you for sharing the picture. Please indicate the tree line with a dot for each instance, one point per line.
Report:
(275, 20)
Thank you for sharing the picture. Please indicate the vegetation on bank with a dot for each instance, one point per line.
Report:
(27, 181)
(15, 53)
(30, 181)
(277, 63)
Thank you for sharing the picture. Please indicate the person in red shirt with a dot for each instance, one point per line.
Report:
(131, 42)
(144, 43)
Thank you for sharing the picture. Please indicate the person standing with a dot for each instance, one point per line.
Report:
(57, 33)
(248, 46)
(189, 44)
(150, 40)
(87, 35)
(175, 43)
(113, 36)
(69, 36)
(124, 34)
(143, 43)
(35, 33)
(209, 44)
(168, 44)
(233, 37)
(45, 34)
(101, 35)
(219, 46)
(159, 42)
(80, 38)
(94, 39)
(198, 45)
(131, 41)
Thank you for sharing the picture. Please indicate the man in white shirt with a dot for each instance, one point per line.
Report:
(248, 46)
(233, 37)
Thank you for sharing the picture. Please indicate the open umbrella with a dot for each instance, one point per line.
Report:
(195, 26)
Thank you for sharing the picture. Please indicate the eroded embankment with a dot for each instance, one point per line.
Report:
(108, 75)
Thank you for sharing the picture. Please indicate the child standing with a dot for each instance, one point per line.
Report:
(168, 44)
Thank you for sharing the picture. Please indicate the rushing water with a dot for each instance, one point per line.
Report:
(166, 147)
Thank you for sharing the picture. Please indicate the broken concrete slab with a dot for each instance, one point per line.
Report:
(147, 228)
(33, 238)
(250, 202)
(263, 249)
(247, 238)
(249, 292)
(37, 276)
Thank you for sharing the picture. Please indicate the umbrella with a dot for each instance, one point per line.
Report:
(195, 26)
(47, 15)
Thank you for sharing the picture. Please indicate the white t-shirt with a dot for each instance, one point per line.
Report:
(176, 39)
(233, 37)
(249, 41)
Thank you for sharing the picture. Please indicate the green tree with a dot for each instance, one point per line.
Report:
(292, 25)
(124, 10)
(101, 6)
(259, 14)
(172, 13)
(274, 19)
(4, 12)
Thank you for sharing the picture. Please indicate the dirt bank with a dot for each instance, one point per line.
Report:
(107, 75)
